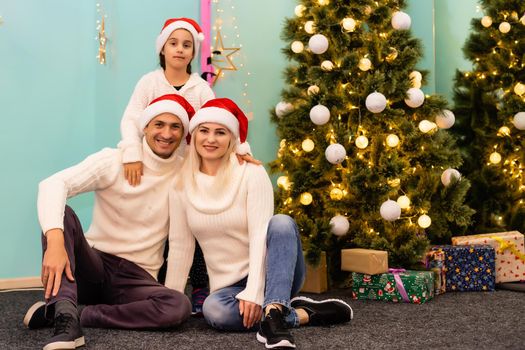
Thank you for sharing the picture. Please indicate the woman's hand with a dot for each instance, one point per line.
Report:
(133, 172)
(247, 158)
(55, 263)
(251, 313)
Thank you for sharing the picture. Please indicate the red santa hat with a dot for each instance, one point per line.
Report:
(173, 24)
(171, 103)
(225, 112)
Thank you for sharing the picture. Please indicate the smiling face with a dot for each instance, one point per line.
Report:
(178, 49)
(212, 141)
(164, 134)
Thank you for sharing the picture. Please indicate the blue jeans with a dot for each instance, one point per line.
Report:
(285, 273)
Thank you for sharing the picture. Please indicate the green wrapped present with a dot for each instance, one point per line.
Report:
(397, 285)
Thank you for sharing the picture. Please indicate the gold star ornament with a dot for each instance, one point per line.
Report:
(221, 57)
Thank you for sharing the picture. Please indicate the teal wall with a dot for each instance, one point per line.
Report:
(64, 105)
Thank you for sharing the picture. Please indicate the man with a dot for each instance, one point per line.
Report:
(113, 268)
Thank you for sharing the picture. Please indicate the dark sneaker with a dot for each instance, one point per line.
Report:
(324, 312)
(67, 335)
(273, 332)
(36, 316)
(198, 295)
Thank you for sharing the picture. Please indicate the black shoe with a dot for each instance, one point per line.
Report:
(67, 335)
(324, 312)
(36, 316)
(273, 333)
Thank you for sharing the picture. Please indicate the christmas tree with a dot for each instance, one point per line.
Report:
(363, 158)
(490, 109)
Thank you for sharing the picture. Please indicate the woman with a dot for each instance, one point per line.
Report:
(254, 261)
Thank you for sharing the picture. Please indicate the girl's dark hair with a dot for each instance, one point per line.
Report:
(162, 62)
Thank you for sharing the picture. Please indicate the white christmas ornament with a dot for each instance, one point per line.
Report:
(313, 90)
(522, 20)
(404, 202)
(349, 24)
(309, 27)
(415, 97)
(495, 158)
(519, 121)
(308, 145)
(504, 27)
(519, 89)
(283, 108)
(415, 76)
(375, 102)
(424, 221)
(319, 115)
(297, 47)
(390, 210)
(426, 126)
(445, 119)
(448, 175)
(335, 153)
(318, 44)
(299, 10)
(365, 64)
(392, 140)
(486, 21)
(339, 225)
(361, 142)
(327, 65)
(401, 21)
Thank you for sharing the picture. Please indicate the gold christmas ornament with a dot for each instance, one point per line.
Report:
(313, 90)
(306, 198)
(365, 64)
(424, 221)
(327, 65)
(426, 126)
(361, 142)
(348, 24)
(393, 182)
(486, 21)
(336, 194)
(392, 140)
(392, 55)
(504, 27)
(504, 131)
(221, 57)
(283, 182)
(299, 10)
(297, 47)
(519, 89)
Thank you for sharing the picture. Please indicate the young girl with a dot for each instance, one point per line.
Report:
(255, 261)
(177, 44)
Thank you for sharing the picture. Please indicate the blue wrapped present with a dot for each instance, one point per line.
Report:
(469, 267)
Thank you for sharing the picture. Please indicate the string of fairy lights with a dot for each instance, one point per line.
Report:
(375, 102)
(512, 163)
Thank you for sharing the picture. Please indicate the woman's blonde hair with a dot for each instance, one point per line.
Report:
(192, 165)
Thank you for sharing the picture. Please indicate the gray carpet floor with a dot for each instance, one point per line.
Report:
(494, 320)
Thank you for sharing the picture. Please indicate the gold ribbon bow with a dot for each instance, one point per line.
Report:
(504, 245)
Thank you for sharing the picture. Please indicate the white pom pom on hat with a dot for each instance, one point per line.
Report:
(224, 111)
(173, 24)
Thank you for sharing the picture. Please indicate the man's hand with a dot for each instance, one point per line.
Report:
(251, 313)
(133, 172)
(248, 158)
(54, 263)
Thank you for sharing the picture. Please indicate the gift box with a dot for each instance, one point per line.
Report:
(398, 285)
(510, 253)
(316, 280)
(468, 268)
(367, 261)
(435, 262)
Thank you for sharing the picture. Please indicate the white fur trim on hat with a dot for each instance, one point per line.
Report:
(166, 32)
(215, 115)
(243, 148)
(164, 106)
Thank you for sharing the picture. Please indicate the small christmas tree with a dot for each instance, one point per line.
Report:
(363, 157)
(490, 109)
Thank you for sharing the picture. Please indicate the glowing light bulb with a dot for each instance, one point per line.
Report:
(392, 140)
(404, 202)
(495, 158)
(308, 145)
(306, 198)
(361, 142)
(424, 221)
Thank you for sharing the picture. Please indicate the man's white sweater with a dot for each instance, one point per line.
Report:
(152, 85)
(231, 230)
(129, 222)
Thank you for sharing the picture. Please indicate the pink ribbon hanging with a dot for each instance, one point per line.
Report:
(206, 66)
(399, 283)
